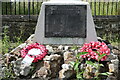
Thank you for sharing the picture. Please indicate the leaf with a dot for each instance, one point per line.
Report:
(76, 66)
(96, 52)
(74, 48)
(101, 56)
(89, 62)
(81, 53)
(109, 73)
(106, 73)
(96, 78)
(101, 65)
(79, 75)
(72, 63)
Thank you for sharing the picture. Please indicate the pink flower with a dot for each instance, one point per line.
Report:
(104, 58)
(93, 49)
(96, 57)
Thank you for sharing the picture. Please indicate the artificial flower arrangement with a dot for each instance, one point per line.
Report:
(35, 51)
(95, 49)
(84, 65)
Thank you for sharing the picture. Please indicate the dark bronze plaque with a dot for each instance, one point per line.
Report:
(65, 21)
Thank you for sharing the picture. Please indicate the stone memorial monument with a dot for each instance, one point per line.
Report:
(62, 22)
(65, 22)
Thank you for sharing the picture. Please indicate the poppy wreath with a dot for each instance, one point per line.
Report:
(95, 48)
(42, 48)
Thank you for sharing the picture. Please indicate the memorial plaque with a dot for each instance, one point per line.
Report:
(65, 21)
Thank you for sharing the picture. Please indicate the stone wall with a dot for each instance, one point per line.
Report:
(19, 26)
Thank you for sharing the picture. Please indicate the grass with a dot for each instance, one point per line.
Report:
(7, 44)
(117, 44)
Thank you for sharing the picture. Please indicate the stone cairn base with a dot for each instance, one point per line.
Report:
(56, 65)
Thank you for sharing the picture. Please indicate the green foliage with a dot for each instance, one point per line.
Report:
(90, 62)
(8, 73)
(80, 72)
(106, 74)
(81, 53)
(101, 56)
(7, 44)
(79, 75)
(74, 48)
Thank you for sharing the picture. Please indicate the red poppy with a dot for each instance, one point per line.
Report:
(37, 56)
(93, 49)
